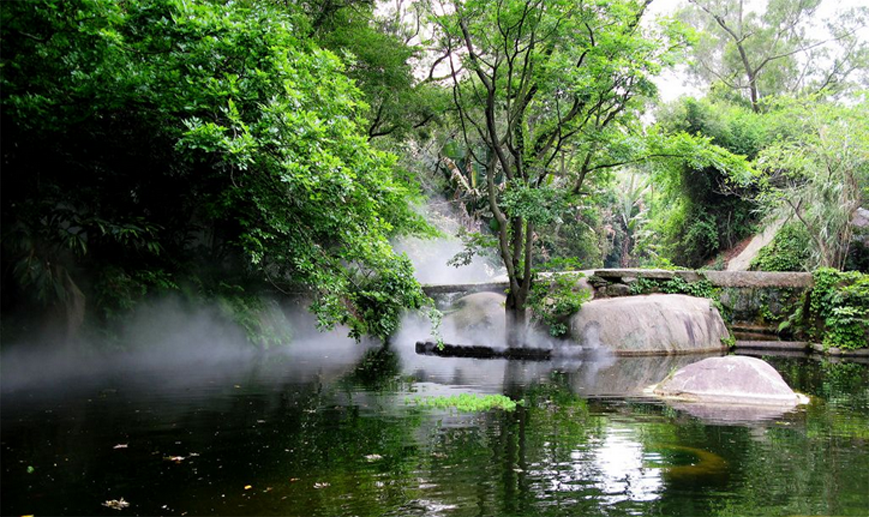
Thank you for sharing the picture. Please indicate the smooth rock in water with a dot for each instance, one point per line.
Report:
(729, 380)
(656, 324)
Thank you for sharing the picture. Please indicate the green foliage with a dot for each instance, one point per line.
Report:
(553, 302)
(700, 289)
(373, 42)
(469, 403)
(788, 251)
(705, 204)
(474, 244)
(167, 138)
(817, 172)
(538, 206)
(752, 54)
(839, 309)
(264, 323)
(548, 97)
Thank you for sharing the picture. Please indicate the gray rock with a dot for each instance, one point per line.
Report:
(861, 219)
(615, 274)
(756, 279)
(729, 380)
(477, 318)
(617, 290)
(648, 325)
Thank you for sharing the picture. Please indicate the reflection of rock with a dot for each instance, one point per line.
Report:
(653, 324)
(623, 376)
(729, 413)
(703, 464)
(729, 380)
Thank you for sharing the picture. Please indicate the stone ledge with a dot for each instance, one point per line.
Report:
(801, 346)
(863, 352)
(737, 279)
(743, 279)
(749, 279)
(495, 287)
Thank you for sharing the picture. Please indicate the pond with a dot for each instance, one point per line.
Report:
(337, 430)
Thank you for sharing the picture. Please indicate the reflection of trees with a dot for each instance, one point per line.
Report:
(562, 453)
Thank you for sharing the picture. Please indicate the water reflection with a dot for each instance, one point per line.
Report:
(329, 430)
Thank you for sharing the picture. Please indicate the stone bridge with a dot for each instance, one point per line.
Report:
(753, 301)
(724, 279)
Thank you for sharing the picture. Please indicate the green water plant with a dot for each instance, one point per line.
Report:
(467, 402)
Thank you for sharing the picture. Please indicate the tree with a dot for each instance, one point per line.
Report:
(377, 47)
(701, 210)
(779, 50)
(157, 143)
(629, 215)
(818, 172)
(543, 90)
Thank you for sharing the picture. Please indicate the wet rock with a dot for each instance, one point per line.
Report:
(648, 325)
(737, 380)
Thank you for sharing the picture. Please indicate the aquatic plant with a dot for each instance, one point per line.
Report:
(469, 402)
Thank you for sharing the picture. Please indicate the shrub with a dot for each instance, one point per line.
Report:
(788, 251)
(553, 302)
(838, 309)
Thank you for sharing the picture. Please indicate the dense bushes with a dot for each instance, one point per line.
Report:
(169, 145)
(788, 251)
(836, 310)
(703, 210)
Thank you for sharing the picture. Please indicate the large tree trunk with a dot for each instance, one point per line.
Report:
(517, 330)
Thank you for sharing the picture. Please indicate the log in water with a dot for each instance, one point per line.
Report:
(482, 352)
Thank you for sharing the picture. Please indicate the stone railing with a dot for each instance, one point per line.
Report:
(738, 279)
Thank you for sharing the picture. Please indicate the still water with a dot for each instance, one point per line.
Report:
(336, 431)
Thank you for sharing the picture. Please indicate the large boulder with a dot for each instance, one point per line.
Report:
(739, 380)
(656, 324)
(477, 318)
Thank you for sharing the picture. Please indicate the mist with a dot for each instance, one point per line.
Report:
(183, 342)
(430, 257)
(187, 343)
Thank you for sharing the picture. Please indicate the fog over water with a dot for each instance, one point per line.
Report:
(185, 341)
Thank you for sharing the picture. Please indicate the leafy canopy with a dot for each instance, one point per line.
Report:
(212, 131)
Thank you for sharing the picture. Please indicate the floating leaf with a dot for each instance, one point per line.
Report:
(116, 504)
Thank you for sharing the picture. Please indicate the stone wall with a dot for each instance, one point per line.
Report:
(751, 300)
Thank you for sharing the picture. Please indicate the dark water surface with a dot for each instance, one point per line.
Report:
(336, 432)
